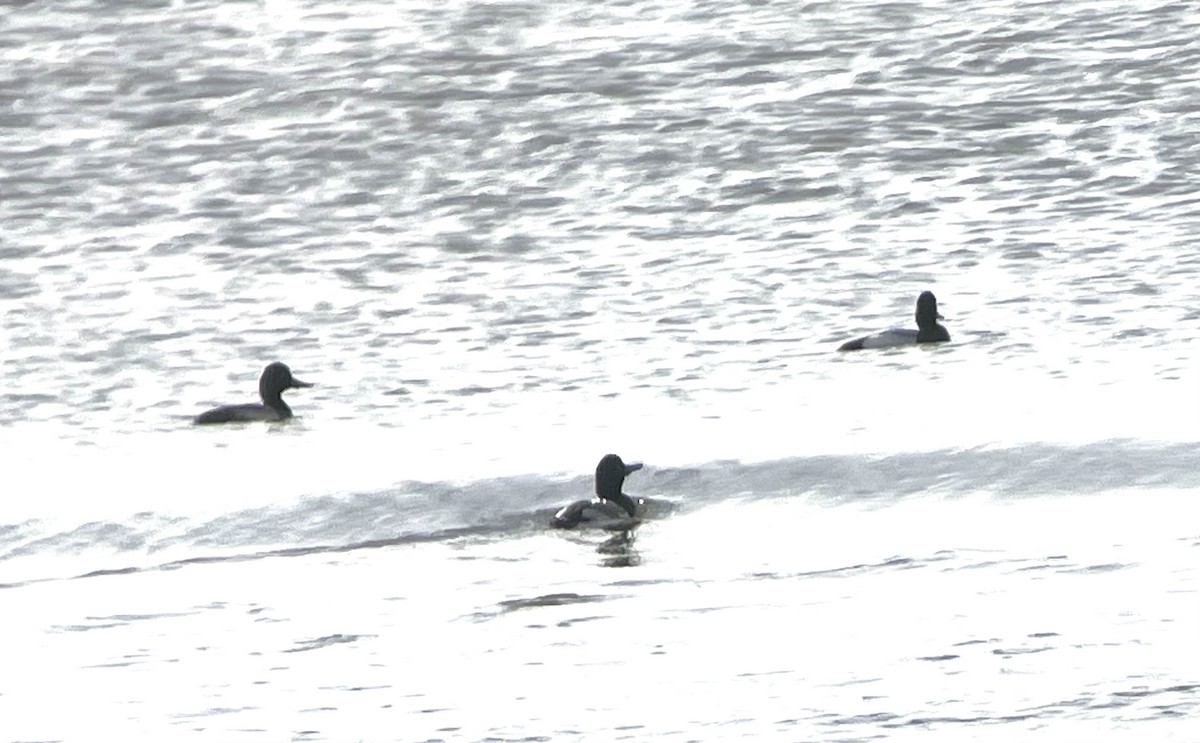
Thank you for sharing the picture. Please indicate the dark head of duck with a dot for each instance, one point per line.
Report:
(610, 476)
(927, 320)
(276, 378)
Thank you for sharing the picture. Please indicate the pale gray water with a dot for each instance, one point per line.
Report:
(507, 238)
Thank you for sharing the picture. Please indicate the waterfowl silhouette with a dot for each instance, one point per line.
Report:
(928, 330)
(276, 378)
(611, 508)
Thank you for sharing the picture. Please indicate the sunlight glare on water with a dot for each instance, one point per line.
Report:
(504, 239)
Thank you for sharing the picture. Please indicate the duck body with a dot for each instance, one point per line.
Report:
(275, 378)
(928, 329)
(596, 514)
(251, 411)
(610, 509)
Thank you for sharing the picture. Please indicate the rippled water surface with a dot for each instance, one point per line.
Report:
(505, 238)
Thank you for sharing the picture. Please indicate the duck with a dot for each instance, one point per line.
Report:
(276, 378)
(611, 509)
(928, 330)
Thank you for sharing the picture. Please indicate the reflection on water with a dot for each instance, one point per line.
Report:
(618, 551)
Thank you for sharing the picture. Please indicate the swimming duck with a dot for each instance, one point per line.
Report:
(611, 509)
(276, 378)
(928, 330)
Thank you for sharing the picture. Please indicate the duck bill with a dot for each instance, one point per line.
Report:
(631, 467)
(298, 383)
